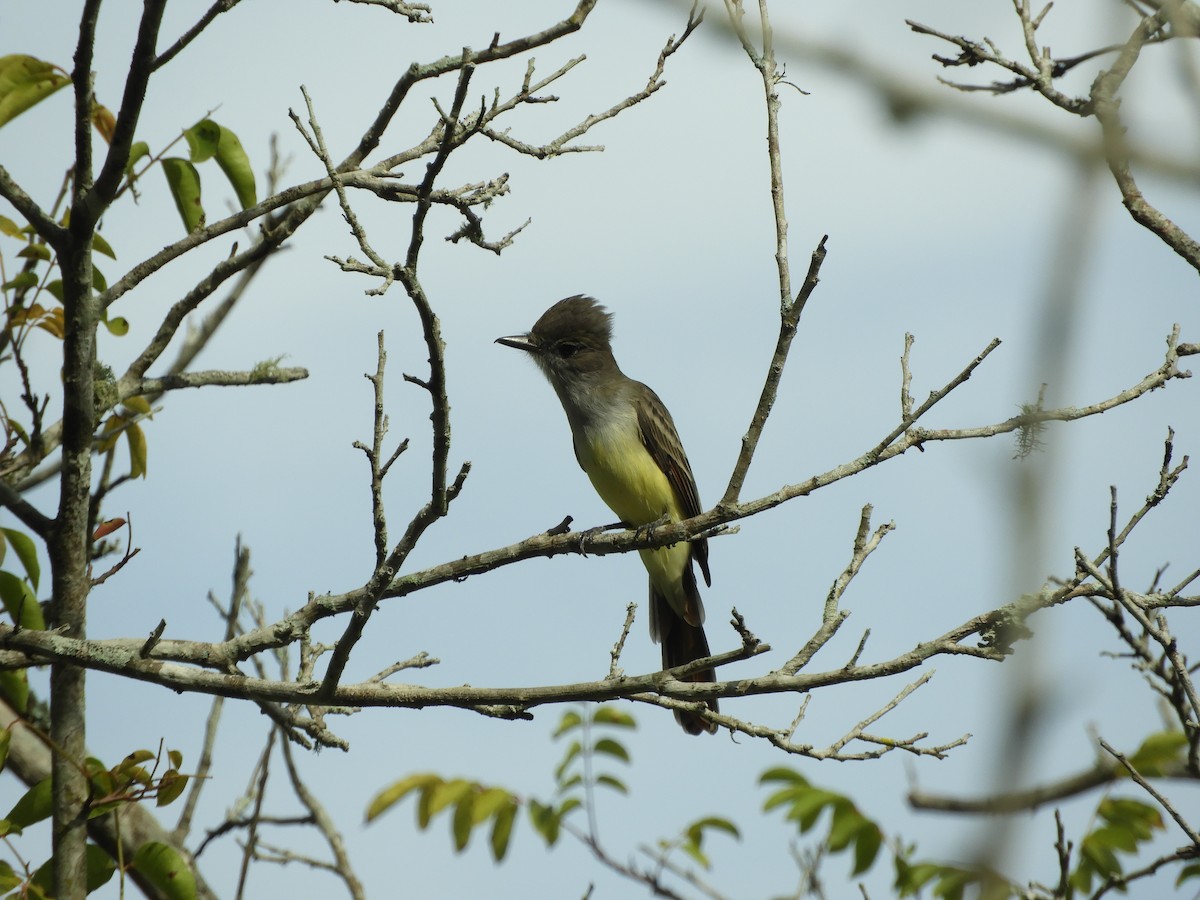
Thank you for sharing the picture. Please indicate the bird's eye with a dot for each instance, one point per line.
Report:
(567, 349)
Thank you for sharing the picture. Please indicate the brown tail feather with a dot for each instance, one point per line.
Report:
(681, 644)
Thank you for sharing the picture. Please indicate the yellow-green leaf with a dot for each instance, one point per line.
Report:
(202, 139)
(448, 792)
(612, 748)
(463, 822)
(137, 151)
(170, 786)
(393, 794)
(35, 805)
(21, 602)
(118, 326)
(34, 251)
(24, 82)
(610, 715)
(20, 281)
(9, 227)
(8, 878)
(163, 867)
(184, 182)
(137, 450)
(489, 802)
(23, 546)
(100, 245)
(502, 831)
(234, 162)
(1157, 752)
(570, 719)
(14, 688)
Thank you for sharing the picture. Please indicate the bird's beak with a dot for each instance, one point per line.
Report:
(520, 342)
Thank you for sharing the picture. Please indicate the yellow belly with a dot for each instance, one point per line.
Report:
(629, 480)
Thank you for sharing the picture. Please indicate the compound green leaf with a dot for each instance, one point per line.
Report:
(394, 793)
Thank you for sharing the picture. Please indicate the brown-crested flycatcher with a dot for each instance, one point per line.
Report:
(627, 444)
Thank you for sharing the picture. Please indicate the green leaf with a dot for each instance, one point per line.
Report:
(100, 869)
(911, 878)
(55, 289)
(463, 821)
(35, 805)
(782, 774)
(14, 687)
(100, 245)
(8, 227)
(22, 281)
(1099, 856)
(5, 740)
(134, 759)
(8, 878)
(502, 831)
(952, 883)
(447, 793)
(184, 182)
(491, 801)
(713, 823)
(137, 151)
(847, 822)
(573, 751)
(26, 551)
(24, 82)
(866, 847)
(163, 867)
(1138, 818)
(34, 251)
(170, 786)
(571, 803)
(612, 748)
(615, 783)
(202, 139)
(1192, 870)
(234, 162)
(1158, 752)
(118, 326)
(393, 794)
(694, 851)
(21, 602)
(1115, 838)
(610, 715)
(545, 821)
(570, 719)
(137, 450)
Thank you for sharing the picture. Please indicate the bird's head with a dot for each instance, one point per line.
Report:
(571, 341)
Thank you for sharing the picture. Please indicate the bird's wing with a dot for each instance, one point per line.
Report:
(662, 442)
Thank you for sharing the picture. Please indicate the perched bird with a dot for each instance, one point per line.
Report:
(627, 444)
